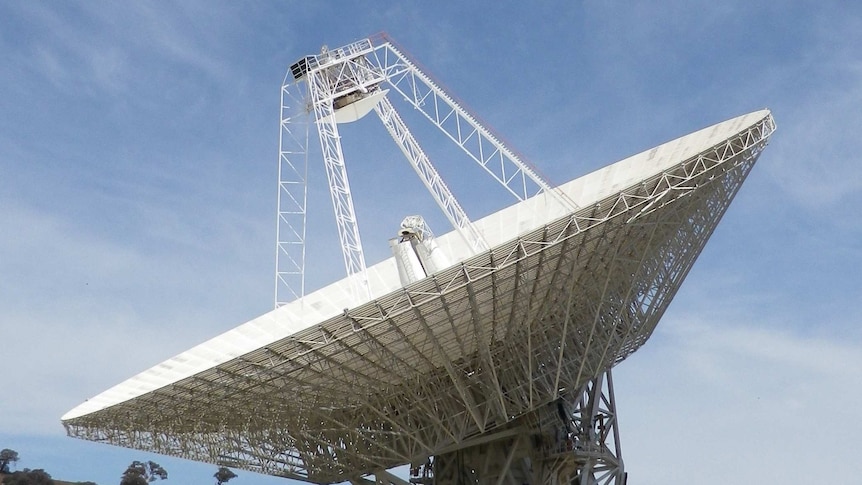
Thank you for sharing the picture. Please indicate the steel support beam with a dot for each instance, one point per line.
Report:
(572, 441)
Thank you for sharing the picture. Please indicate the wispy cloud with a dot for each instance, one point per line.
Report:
(819, 142)
(705, 393)
(83, 301)
(100, 46)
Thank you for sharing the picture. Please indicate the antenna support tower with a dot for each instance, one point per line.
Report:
(343, 85)
(479, 356)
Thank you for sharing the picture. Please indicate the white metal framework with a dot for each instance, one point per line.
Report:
(573, 440)
(292, 196)
(344, 84)
(428, 174)
(493, 370)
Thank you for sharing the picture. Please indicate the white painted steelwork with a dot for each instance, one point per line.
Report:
(416, 252)
(292, 195)
(428, 174)
(495, 363)
(345, 84)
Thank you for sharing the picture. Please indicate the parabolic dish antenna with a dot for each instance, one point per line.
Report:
(479, 356)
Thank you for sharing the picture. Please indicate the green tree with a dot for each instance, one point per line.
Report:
(140, 473)
(7, 457)
(29, 477)
(223, 475)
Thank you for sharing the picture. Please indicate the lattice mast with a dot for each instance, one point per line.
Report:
(343, 85)
(292, 196)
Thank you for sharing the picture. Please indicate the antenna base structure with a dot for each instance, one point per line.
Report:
(573, 441)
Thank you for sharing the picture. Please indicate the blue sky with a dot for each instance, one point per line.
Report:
(138, 150)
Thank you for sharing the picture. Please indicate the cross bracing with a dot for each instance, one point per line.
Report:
(344, 84)
(445, 362)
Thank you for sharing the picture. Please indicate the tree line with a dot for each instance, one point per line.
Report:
(138, 473)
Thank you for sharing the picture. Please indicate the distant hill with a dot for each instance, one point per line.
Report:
(56, 482)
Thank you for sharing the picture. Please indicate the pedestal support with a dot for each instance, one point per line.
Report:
(571, 441)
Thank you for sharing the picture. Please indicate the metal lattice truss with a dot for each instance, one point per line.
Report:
(564, 442)
(429, 176)
(292, 196)
(449, 361)
(351, 80)
(464, 128)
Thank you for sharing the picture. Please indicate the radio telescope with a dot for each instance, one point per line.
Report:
(482, 355)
